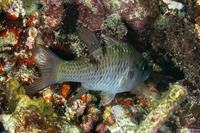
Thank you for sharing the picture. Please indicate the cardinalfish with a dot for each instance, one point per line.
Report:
(111, 69)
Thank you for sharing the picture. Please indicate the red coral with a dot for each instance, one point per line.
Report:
(48, 37)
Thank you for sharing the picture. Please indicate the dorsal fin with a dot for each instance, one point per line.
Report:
(90, 39)
(109, 40)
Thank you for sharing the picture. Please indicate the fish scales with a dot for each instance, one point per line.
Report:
(102, 76)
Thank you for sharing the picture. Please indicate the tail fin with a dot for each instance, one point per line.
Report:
(47, 62)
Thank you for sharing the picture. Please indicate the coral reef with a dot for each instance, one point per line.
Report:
(13, 92)
(91, 13)
(166, 32)
(92, 117)
(163, 110)
(184, 48)
(123, 122)
(53, 13)
(135, 13)
(31, 115)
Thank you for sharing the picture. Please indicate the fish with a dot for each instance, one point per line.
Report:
(114, 68)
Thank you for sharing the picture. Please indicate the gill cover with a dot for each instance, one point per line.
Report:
(134, 75)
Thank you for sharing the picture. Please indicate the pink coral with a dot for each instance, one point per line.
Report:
(91, 13)
(134, 13)
(90, 119)
(53, 13)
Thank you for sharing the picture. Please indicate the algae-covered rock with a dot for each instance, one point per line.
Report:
(123, 122)
(29, 6)
(4, 4)
(25, 120)
(90, 119)
(39, 105)
(32, 115)
(14, 91)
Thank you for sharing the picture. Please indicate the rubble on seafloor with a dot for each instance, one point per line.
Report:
(166, 32)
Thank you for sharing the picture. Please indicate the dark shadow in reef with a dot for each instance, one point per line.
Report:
(71, 17)
(132, 38)
(62, 52)
(2, 129)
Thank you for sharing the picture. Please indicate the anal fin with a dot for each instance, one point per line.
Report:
(106, 98)
(82, 91)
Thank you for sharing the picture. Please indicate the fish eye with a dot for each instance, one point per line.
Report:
(144, 67)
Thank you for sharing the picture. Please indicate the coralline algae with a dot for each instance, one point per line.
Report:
(166, 32)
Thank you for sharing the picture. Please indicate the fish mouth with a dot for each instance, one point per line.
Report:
(147, 74)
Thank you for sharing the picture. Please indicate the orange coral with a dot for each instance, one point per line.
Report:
(59, 99)
(65, 91)
(8, 33)
(10, 16)
(1, 69)
(48, 98)
(145, 102)
(84, 99)
(30, 20)
(5, 32)
(22, 61)
(128, 102)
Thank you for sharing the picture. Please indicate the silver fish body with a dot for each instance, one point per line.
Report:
(115, 68)
(109, 71)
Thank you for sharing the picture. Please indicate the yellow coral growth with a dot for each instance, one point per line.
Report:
(14, 91)
(107, 115)
(197, 27)
(39, 105)
(198, 2)
(5, 4)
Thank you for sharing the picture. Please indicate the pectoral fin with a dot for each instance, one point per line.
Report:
(142, 90)
(106, 98)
